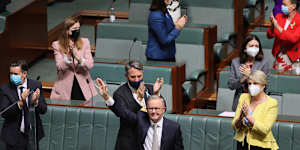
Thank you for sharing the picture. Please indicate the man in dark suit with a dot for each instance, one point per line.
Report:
(19, 91)
(152, 130)
(133, 96)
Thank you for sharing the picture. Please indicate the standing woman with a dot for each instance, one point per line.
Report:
(285, 27)
(251, 58)
(73, 62)
(255, 115)
(162, 32)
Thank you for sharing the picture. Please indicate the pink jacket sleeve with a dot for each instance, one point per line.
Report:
(59, 58)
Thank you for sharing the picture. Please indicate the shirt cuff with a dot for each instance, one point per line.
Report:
(67, 60)
(110, 102)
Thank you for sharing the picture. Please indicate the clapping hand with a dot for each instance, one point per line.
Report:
(245, 70)
(245, 109)
(140, 93)
(157, 85)
(179, 24)
(24, 96)
(101, 86)
(36, 96)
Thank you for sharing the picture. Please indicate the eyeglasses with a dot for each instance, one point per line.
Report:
(154, 108)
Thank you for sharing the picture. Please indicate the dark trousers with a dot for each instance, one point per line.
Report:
(245, 147)
(21, 143)
(76, 93)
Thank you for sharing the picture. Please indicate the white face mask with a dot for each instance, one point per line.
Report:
(254, 89)
(252, 51)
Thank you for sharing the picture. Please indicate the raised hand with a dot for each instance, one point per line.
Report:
(101, 86)
(24, 96)
(157, 85)
(179, 24)
(140, 93)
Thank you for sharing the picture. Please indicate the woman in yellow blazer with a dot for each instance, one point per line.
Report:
(255, 115)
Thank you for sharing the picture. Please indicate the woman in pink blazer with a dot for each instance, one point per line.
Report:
(73, 61)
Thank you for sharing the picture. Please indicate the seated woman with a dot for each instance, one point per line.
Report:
(255, 115)
(162, 32)
(73, 61)
(286, 30)
(251, 58)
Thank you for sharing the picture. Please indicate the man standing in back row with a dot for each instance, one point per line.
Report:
(133, 96)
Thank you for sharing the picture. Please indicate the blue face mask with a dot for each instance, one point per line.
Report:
(15, 79)
(135, 84)
(285, 9)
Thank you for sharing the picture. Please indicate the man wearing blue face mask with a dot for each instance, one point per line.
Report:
(133, 96)
(14, 106)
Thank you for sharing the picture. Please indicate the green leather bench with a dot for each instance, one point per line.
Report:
(73, 128)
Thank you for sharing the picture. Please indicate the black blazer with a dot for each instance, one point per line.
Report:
(171, 138)
(13, 116)
(126, 138)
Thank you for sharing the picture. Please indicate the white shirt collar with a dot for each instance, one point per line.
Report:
(159, 123)
(23, 85)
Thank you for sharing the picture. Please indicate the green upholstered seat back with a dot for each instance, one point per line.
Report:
(280, 84)
(68, 128)
(290, 104)
(225, 95)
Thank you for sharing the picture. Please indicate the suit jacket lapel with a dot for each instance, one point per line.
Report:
(14, 91)
(163, 135)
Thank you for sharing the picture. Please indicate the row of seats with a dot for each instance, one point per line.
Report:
(284, 88)
(116, 41)
(219, 12)
(75, 128)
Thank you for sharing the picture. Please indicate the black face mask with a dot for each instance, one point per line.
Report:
(75, 34)
(135, 84)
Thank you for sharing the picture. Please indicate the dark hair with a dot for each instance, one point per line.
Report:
(133, 64)
(20, 63)
(295, 2)
(158, 5)
(157, 97)
(243, 55)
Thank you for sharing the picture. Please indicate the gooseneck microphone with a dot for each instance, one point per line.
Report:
(88, 82)
(132, 44)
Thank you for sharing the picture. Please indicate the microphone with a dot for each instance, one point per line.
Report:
(10, 106)
(132, 44)
(88, 82)
(38, 77)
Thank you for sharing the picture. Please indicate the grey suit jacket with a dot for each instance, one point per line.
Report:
(235, 76)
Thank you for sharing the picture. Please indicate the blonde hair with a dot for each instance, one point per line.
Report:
(64, 37)
(259, 77)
